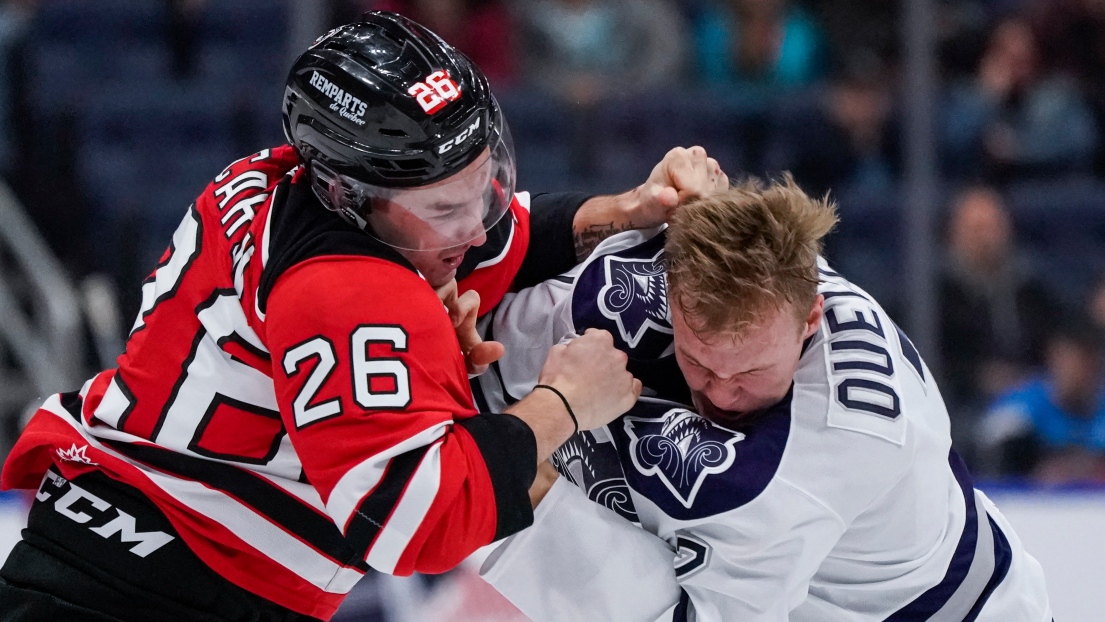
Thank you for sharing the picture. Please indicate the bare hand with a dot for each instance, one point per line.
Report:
(683, 175)
(463, 312)
(591, 374)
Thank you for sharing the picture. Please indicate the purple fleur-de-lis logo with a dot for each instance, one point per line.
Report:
(682, 449)
(635, 296)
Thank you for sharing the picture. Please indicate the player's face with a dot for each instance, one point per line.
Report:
(435, 217)
(440, 266)
(733, 375)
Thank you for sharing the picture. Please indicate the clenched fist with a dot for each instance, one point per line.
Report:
(591, 374)
(683, 175)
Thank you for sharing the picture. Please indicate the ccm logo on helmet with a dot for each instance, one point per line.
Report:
(435, 91)
(344, 104)
(464, 135)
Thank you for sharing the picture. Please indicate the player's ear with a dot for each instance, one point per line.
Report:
(813, 319)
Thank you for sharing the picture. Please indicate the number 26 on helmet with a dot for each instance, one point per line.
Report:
(400, 134)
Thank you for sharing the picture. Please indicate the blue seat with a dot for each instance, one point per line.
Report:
(241, 66)
(146, 190)
(102, 22)
(149, 137)
(1068, 271)
(542, 132)
(633, 132)
(111, 178)
(1049, 212)
(269, 123)
(257, 23)
(732, 127)
(1061, 225)
(163, 115)
(121, 179)
(57, 77)
(187, 173)
(866, 245)
(63, 75)
(252, 78)
(626, 136)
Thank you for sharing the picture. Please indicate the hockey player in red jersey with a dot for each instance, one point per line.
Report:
(293, 404)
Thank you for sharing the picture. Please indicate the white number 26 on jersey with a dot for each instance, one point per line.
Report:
(307, 410)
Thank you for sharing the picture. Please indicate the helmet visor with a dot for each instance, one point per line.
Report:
(455, 211)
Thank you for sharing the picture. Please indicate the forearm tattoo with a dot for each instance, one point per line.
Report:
(589, 238)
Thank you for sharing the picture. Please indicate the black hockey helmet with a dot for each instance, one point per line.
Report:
(387, 116)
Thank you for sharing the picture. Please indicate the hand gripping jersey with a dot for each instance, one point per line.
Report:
(293, 398)
(842, 502)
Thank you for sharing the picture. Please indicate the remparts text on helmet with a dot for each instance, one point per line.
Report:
(345, 104)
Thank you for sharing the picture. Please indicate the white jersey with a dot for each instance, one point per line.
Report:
(844, 501)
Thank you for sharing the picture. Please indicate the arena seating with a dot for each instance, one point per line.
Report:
(147, 139)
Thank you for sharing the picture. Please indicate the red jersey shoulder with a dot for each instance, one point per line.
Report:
(273, 162)
(234, 208)
(235, 196)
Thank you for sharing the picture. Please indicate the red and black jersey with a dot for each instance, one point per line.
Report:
(294, 399)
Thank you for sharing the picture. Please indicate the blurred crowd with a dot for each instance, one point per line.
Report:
(1024, 80)
(1022, 98)
(592, 87)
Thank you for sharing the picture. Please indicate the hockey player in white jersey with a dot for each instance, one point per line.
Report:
(794, 461)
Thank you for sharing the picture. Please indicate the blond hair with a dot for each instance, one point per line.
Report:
(734, 256)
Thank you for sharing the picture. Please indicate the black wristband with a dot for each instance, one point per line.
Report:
(566, 404)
